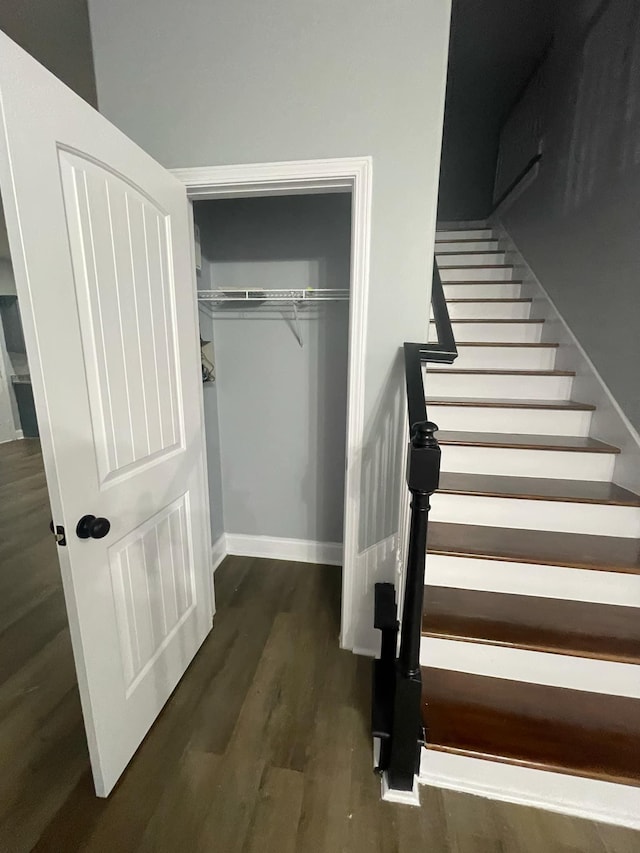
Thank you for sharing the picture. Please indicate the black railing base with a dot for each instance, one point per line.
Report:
(383, 684)
(407, 738)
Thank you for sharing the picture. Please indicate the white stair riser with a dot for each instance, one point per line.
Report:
(439, 383)
(559, 516)
(505, 358)
(476, 273)
(520, 462)
(504, 576)
(465, 234)
(462, 246)
(523, 421)
(533, 667)
(502, 332)
(593, 799)
(490, 290)
(466, 258)
(494, 310)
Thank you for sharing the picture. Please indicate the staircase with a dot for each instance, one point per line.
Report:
(531, 624)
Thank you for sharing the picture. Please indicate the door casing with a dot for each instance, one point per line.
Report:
(354, 175)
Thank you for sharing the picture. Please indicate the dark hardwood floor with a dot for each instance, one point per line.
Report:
(264, 746)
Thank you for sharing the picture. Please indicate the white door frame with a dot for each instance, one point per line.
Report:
(353, 174)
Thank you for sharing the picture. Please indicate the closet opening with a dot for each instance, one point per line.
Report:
(273, 283)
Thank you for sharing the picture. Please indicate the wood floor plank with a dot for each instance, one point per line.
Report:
(277, 814)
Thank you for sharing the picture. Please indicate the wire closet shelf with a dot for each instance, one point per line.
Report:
(289, 296)
(255, 297)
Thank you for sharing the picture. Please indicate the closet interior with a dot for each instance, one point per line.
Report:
(273, 298)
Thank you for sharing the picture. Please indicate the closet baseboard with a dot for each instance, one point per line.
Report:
(279, 548)
(218, 552)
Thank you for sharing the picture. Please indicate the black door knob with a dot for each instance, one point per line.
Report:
(90, 527)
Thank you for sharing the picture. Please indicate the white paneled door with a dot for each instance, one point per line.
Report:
(101, 245)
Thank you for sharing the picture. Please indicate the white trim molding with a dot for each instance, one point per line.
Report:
(218, 552)
(592, 799)
(280, 548)
(341, 174)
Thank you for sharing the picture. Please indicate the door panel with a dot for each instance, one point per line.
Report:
(126, 301)
(103, 261)
(154, 587)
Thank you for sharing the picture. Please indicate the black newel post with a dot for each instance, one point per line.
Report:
(423, 473)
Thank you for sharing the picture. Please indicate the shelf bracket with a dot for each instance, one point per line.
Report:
(296, 327)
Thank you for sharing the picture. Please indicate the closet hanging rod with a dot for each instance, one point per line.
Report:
(253, 294)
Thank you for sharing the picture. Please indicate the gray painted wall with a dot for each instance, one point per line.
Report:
(281, 408)
(578, 224)
(56, 33)
(242, 82)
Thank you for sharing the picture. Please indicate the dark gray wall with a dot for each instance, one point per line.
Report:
(494, 46)
(578, 225)
(281, 408)
(56, 33)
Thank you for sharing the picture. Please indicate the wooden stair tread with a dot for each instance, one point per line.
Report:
(474, 267)
(525, 344)
(542, 547)
(495, 371)
(538, 488)
(529, 442)
(485, 281)
(495, 319)
(471, 251)
(532, 725)
(501, 403)
(583, 629)
(489, 299)
(465, 239)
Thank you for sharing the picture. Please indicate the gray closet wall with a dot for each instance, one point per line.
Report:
(276, 414)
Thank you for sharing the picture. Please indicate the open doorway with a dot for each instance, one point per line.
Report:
(350, 178)
(45, 753)
(273, 297)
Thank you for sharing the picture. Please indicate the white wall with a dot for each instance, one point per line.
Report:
(233, 81)
(281, 408)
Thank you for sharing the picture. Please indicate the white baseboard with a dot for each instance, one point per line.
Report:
(592, 799)
(280, 548)
(218, 552)
(405, 798)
